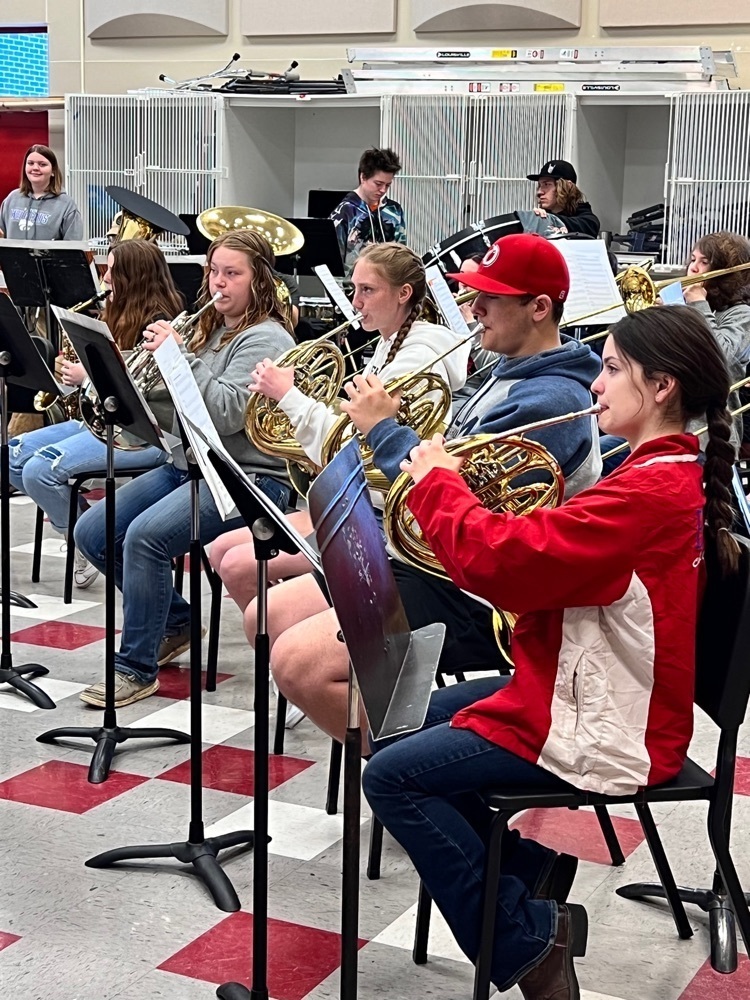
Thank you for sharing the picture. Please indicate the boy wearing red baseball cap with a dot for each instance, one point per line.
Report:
(523, 282)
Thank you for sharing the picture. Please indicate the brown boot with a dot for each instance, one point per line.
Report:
(22, 423)
(555, 976)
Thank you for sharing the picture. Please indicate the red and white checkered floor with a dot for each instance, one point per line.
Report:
(68, 932)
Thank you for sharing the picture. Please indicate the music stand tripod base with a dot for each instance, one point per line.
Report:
(106, 738)
(198, 851)
(25, 361)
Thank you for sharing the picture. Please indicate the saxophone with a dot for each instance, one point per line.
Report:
(67, 406)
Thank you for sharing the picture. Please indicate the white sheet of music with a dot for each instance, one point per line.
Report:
(213, 441)
(187, 400)
(336, 293)
(592, 284)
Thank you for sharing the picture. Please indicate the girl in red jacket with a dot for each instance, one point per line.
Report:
(607, 589)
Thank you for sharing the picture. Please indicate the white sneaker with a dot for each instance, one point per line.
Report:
(294, 716)
(85, 573)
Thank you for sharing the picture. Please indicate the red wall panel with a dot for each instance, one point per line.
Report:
(18, 131)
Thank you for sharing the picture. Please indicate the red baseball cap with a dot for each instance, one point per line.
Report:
(520, 264)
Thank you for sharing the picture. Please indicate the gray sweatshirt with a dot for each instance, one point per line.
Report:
(51, 217)
(222, 375)
(731, 327)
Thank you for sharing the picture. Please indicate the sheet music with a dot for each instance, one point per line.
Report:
(212, 440)
(445, 301)
(592, 284)
(187, 399)
(336, 292)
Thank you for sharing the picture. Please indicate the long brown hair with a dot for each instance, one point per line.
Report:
(264, 301)
(144, 291)
(568, 197)
(724, 249)
(55, 185)
(399, 266)
(677, 342)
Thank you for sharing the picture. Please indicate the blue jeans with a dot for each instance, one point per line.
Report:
(152, 528)
(424, 788)
(42, 462)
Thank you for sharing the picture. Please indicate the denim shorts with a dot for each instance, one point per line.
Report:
(274, 490)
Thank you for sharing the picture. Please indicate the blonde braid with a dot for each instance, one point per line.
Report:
(403, 331)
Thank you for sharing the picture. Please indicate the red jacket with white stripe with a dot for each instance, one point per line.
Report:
(607, 588)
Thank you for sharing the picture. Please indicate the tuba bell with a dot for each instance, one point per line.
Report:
(141, 218)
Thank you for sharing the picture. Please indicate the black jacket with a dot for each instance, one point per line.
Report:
(584, 221)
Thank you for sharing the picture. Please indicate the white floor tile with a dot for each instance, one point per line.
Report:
(400, 934)
(51, 609)
(51, 546)
(20, 500)
(296, 831)
(219, 723)
(57, 690)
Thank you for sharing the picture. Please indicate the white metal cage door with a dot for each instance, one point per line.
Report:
(181, 150)
(102, 147)
(512, 135)
(429, 133)
(708, 169)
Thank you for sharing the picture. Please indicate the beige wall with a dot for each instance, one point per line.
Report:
(117, 65)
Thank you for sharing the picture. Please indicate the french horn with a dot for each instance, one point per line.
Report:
(319, 368)
(506, 472)
(425, 405)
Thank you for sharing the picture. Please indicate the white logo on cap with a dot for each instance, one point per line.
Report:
(551, 167)
(491, 256)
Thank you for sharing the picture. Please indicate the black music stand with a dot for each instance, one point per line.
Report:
(20, 364)
(321, 246)
(271, 534)
(392, 667)
(40, 274)
(187, 274)
(124, 405)
(197, 851)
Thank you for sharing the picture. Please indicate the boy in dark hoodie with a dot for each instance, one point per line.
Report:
(560, 202)
(367, 215)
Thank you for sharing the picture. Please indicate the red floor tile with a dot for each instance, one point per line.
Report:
(299, 958)
(578, 832)
(742, 776)
(230, 769)
(60, 785)
(59, 635)
(6, 940)
(710, 985)
(174, 681)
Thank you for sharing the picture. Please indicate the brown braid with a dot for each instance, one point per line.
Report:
(717, 479)
(676, 341)
(403, 331)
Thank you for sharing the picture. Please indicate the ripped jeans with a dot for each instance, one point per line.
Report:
(42, 462)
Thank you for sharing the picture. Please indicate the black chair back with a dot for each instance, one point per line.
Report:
(722, 684)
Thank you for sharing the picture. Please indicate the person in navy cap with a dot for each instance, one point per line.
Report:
(560, 202)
